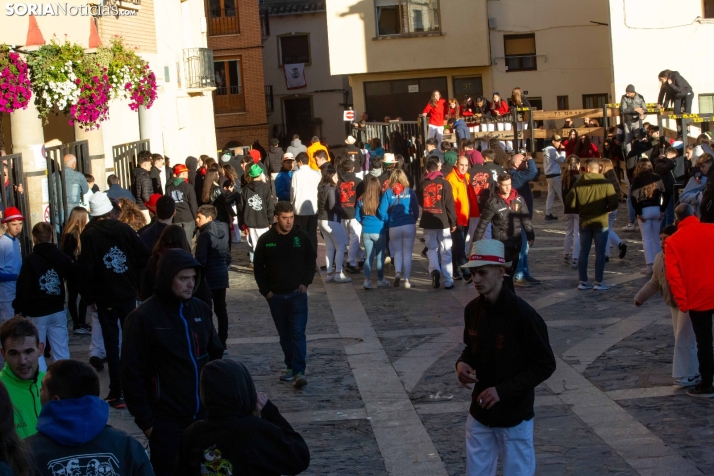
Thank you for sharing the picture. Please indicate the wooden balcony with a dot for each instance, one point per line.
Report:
(228, 99)
(222, 21)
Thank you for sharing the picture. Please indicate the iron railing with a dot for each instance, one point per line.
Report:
(59, 207)
(125, 159)
(223, 21)
(13, 194)
(199, 68)
(269, 105)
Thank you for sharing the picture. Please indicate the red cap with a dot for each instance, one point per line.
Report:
(179, 169)
(255, 154)
(12, 214)
(151, 204)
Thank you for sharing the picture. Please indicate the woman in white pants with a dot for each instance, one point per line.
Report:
(569, 176)
(607, 169)
(399, 204)
(685, 364)
(436, 109)
(649, 202)
(329, 218)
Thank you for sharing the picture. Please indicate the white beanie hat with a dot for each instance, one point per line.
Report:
(99, 204)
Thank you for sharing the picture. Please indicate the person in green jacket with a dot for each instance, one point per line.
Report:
(594, 197)
(21, 349)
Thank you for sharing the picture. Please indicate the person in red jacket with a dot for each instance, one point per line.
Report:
(570, 143)
(499, 107)
(436, 109)
(688, 273)
(586, 149)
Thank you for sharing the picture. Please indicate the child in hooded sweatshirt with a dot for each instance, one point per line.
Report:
(40, 291)
(255, 209)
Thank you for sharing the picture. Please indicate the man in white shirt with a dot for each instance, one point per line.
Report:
(552, 159)
(303, 196)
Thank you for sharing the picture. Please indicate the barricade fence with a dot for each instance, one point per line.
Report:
(59, 208)
(12, 194)
(125, 159)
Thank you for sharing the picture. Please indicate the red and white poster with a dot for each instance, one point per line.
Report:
(295, 75)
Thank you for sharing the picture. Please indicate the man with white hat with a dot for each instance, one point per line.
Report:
(10, 260)
(507, 355)
(353, 152)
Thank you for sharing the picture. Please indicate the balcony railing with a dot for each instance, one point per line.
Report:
(228, 99)
(269, 106)
(223, 21)
(199, 68)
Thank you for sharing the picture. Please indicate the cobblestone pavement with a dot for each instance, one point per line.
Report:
(383, 398)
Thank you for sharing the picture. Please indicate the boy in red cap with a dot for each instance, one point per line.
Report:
(10, 261)
(185, 197)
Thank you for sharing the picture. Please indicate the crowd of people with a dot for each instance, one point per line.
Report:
(148, 262)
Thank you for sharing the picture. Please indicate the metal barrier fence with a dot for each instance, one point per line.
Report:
(125, 159)
(12, 194)
(56, 184)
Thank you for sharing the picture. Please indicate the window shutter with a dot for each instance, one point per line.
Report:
(386, 3)
(520, 46)
(706, 103)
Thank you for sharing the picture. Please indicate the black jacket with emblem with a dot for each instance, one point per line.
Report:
(506, 217)
(213, 253)
(167, 342)
(355, 154)
(255, 208)
(185, 197)
(437, 201)
(112, 256)
(507, 345)
(40, 284)
(350, 188)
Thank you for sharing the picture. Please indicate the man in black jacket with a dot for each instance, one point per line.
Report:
(167, 342)
(507, 213)
(676, 89)
(274, 162)
(142, 188)
(112, 256)
(243, 433)
(507, 355)
(185, 197)
(351, 188)
(213, 252)
(164, 209)
(284, 266)
(157, 174)
(664, 167)
(72, 429)
(483, 179)
(438, 220)
(355, 153)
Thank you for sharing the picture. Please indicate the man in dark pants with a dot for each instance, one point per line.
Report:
(284, 266)
(112, 256)
(688, 265)
(167, 342)
(185, 197)
(303, 196)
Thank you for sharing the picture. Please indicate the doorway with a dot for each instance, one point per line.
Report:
(298, 118)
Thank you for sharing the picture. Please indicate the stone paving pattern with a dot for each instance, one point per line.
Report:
(604, 344)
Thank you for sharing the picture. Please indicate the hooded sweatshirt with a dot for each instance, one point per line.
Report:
(185, 197)
(41, 281)
(10, 265)
(461, 129)
(234, 439)
(213, 253)
(274, 160)
(437, 201)
(350, 189)
(74, 434)
(400, 205)
(192, 166)
(25, 398)
(167, 342)
(296, 147)
(255, 209)
(112, 256)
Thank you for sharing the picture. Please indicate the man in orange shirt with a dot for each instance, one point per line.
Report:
(314, 147)
(687, 263)
(459, 180)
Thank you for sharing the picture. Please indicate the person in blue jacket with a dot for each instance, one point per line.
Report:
(374, 230)
(523, 170)
(284, 179)
(460, 128)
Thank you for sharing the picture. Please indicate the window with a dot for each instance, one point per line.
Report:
(294, 48)
(706, 103)
(228, 96)
(520, 51)
(472, 87)
(594, 101)
(708, 8)
(563, 103)
(403, 98)
(222, 17)
(403, 17)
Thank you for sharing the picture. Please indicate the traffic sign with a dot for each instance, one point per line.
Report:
(349, 116)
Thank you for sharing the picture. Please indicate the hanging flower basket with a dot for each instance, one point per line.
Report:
(129, 75)
(15, 87)
(64, 77)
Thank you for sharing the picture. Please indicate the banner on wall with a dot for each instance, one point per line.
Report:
(295, 75)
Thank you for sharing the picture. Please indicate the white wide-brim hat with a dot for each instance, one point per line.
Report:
(350, 140)
(488, 253)
(389, 159)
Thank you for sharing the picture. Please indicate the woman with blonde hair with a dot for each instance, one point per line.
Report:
(608, 170)
(130, 214)
(374, 234)
(72, 247)
(399, 204)
(650, 201)
(436, 109)
(570, 175)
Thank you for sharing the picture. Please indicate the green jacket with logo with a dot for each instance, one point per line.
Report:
(25, 397)
(593, 197)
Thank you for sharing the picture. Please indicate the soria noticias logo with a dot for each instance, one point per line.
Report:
(64, 9)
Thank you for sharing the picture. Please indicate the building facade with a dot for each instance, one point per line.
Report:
(313, 107)
(235, 36)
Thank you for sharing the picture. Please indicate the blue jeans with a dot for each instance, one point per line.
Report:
(374, 244)
(458, 251)
(601, 237)
(522, 269)
(289, 313)
(668, 218)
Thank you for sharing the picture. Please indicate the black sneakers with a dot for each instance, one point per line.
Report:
(623, 249)
(550, 217)
(97, 363)
(435, 277)
(701, 392)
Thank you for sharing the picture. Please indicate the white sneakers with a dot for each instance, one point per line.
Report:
(382, 283)
(598, 286)
(341, 278)
(584, 285)
(629, 227)
(685, 382)
(367, 284)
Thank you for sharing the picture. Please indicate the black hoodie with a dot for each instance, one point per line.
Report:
(233, 439)
(40, 285)
(192, 166)
(256, 206)
(141, 187)
(185, 198)
(112, 256)
(213, 253)
(167, 342)
(155, 176)
(274, 160)
(350, 188)
(437, 201)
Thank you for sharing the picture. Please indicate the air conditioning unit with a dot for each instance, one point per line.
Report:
(492, 23)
